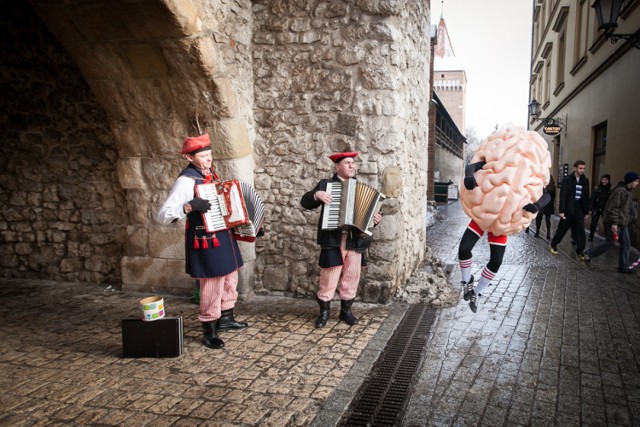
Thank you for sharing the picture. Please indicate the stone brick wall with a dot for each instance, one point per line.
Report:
(61, 208)
(333, 76)
(278, 84)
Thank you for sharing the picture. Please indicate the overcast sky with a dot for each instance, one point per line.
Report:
(492, 42)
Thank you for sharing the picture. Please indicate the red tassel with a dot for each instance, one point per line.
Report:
(208, 178)
(205, 245)
(196, 244)
(216, 242)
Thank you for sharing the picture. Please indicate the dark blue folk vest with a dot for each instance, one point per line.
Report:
(205, 260)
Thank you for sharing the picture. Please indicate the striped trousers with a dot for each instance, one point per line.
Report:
(348, 274)
(217, 294)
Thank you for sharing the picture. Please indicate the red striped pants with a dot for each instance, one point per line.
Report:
(350, 272)
(217, 294)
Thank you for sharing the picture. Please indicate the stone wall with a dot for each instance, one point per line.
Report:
(278, 84)
(333, 76)
(61, 214)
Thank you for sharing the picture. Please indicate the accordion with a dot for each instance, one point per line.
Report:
(255, 211)
(234, 205)
(353, 204)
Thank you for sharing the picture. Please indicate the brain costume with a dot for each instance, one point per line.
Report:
(515, 172)
(502, 191)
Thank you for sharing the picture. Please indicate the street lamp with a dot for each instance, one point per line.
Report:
(550, 125)
(607, 12)
(534, 108)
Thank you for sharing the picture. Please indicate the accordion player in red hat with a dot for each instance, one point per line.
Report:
(340, 257)
(214, 258)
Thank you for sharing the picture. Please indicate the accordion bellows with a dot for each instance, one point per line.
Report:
(354, 204)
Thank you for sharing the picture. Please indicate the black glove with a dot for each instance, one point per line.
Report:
(530, 207)
(470, 182)
(200, 205)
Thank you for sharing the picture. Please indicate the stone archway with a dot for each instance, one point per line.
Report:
(318, 76)
(158, 68)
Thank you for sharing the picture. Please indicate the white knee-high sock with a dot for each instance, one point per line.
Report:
(485, 280)
(465, 269)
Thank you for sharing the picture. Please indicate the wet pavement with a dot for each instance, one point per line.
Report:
(553, 342)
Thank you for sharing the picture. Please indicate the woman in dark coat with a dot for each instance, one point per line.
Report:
(548, 209)
(599, 198)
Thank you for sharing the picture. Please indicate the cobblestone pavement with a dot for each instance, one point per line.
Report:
(553, 343)
(61, 347)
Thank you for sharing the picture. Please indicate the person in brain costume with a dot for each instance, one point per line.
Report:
(503, 189)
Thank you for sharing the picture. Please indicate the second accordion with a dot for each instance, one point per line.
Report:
(353, 204)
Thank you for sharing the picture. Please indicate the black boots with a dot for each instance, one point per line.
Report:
(321, 321)
(226, 321)
(210, 336)
(345, 312)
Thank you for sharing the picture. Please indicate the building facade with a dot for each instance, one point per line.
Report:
(589, 87)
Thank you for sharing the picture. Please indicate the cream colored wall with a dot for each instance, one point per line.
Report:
(448, 166)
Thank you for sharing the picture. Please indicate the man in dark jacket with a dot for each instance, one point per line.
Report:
(616, 218)
(340, 257)
(573, 207)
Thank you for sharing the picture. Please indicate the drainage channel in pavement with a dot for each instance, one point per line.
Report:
(382, 398)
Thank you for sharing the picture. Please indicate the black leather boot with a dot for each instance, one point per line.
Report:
(226, 321)
(345, 312)
(321, 321)
(210, 336)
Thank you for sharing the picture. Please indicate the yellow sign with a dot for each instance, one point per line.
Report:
(551, 127)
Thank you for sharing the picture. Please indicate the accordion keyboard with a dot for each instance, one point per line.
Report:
(331, 217)
(217, 212)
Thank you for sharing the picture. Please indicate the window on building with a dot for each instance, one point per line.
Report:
(599, 150)
(562, 36)
(546, 78)
(580, 32)
(560, 27)
(592, 30)
(547, 82)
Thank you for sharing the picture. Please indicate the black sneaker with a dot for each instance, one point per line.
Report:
(586, 259)
(467, 289)
(473, 301)
(626, 270)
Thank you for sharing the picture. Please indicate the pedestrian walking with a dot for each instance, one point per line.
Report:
(599, 198)
(573, 206)
(616, 218)
(548, 209)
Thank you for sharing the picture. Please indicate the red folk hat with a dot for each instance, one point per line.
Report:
(195, 144)
(336, 158)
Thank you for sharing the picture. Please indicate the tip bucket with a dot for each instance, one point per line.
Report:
(152, 307)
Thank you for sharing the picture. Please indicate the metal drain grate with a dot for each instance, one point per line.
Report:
(382, 397)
